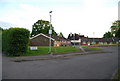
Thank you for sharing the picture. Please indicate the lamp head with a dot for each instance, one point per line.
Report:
(50, 12)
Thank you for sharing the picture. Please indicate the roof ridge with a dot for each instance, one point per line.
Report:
(42, 35)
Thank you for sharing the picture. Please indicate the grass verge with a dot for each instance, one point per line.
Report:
(45, 50)
(91, 48)
(104, 45)
(117, 76)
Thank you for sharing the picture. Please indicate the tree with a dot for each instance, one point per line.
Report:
(1, 29)
(42, 26)
(115, 30)
(61, 35)
(108, 35)
(115, 27)
(117, 33)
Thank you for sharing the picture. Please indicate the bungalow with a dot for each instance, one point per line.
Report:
(43, 40)
(90, 41)
(81, 40)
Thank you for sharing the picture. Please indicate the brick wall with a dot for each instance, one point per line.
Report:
(40, 41)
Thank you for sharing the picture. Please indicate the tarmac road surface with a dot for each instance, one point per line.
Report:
(91, 66)
(0, 56)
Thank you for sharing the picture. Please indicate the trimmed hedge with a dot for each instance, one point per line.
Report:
(15, 41)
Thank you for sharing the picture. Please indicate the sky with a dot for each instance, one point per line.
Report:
(68, 16)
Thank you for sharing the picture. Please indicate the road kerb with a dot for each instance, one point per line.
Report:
(20, 59)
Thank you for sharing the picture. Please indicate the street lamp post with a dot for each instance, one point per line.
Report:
(50, 32)
(74, 40)
(79, 39)
(93, 38)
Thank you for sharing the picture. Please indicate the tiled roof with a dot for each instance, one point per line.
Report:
(52, 37)
(75, 36)
(59, 38)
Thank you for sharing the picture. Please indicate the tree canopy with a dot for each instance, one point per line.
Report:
(115, 30)
(61, 35)
(42, 26)
(117, 33)
(107, 35)
(115, 26)
(1, 29)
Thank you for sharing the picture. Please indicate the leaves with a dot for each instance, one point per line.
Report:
(42, 26)
(118, 33)
(15, 41)
(61, 35)
(107, 35)
(115, 30)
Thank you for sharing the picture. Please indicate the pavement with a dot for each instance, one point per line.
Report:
(55, 56)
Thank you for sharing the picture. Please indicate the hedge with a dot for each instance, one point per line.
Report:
(15, 41)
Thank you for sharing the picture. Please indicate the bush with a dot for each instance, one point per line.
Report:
(15, 41)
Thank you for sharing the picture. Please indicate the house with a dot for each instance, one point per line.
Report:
(43, 40)
(77, 39)
(90, 41)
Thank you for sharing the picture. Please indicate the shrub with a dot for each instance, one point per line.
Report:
(15, 41)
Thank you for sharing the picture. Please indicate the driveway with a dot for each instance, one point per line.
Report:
(90, 66)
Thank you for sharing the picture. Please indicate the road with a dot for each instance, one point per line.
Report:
(0, 65)
(91, 66)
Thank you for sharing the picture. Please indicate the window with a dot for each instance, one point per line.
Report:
(55, 42)
(84, 42)
(93, 42)
(117, 42)
(105, 42)
(111, 43)
(100, 42)
(88, 43)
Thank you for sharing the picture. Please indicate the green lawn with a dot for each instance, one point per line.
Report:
(105, 45)
(55, 50)
(99, 45)
(45, 50)
(92, 48)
